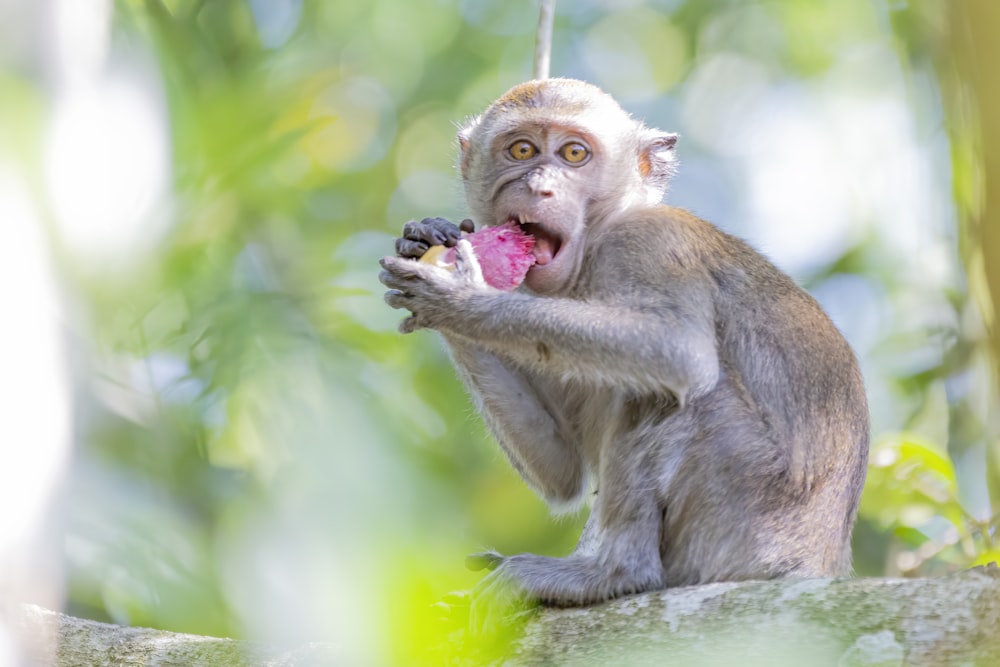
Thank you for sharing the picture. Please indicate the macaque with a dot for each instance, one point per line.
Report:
(709, 403)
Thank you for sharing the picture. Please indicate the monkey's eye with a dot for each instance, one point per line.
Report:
(574, 153)
(522, 150)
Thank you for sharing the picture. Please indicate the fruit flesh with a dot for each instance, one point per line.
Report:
(504, 253)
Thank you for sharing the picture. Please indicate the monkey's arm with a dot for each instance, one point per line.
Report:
(526, 429)
(668, 343)
(513, 408)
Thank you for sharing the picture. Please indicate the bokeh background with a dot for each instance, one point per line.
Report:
(210, 424)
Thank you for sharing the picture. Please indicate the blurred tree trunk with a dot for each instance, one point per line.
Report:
(952, 620)
(968, 63)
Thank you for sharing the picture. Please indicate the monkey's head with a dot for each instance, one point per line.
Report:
(559, 156)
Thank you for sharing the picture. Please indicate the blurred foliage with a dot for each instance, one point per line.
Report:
(942, 502)
(912, 493)
(261, 455)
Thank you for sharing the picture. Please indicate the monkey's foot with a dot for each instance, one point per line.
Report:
(484, 560)
(499, 603)
(518, 581)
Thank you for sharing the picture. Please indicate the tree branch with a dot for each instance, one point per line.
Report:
(543, 38)
(952, 620)
(65, 641)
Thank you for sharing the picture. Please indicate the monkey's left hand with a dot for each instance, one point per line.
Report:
(432, 294)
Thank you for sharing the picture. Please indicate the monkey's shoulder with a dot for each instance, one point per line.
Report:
(669, 239)
(665, 245)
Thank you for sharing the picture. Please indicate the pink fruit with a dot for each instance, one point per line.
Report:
(504, 254)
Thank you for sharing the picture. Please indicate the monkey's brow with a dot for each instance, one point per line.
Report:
(542, 128)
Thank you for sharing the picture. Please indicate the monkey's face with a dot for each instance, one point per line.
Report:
(541, 180)
(558, 157)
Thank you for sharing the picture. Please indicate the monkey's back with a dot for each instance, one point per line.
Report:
(764, 472)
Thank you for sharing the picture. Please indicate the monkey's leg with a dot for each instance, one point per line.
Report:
(626, 560)
(526, 430)
(587, 545)
(590, 537)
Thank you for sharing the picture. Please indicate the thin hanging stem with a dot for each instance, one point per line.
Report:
(543, 38)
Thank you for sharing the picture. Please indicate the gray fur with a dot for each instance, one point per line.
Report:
(714, 406)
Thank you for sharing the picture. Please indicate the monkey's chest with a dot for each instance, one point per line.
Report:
(591, 416)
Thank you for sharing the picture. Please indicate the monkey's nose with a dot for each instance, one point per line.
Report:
(540, 183)
(541, 190)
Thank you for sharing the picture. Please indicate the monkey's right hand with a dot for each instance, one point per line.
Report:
(435, 296)
(419, 236)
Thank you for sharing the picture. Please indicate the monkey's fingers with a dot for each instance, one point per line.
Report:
(394, 283)
(432, 231)
(411, 249)
(399, 299)
(396, 298)
(410, 324)
(484, 560)
(400, 273)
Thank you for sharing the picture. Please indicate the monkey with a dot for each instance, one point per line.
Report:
(715, 408)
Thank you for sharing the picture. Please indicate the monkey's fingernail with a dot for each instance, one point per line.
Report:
(394, 298)
(409, 325)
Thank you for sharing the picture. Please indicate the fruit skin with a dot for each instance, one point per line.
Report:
(435, 255)
(503, 251)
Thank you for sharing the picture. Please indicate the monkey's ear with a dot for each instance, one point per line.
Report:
(464, 134)
(464, 141)
(657, 160)
(657, 154)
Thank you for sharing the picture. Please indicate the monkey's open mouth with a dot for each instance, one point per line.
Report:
(547, 243)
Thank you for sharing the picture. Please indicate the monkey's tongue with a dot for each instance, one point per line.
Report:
(546, 246)
(543, 251)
